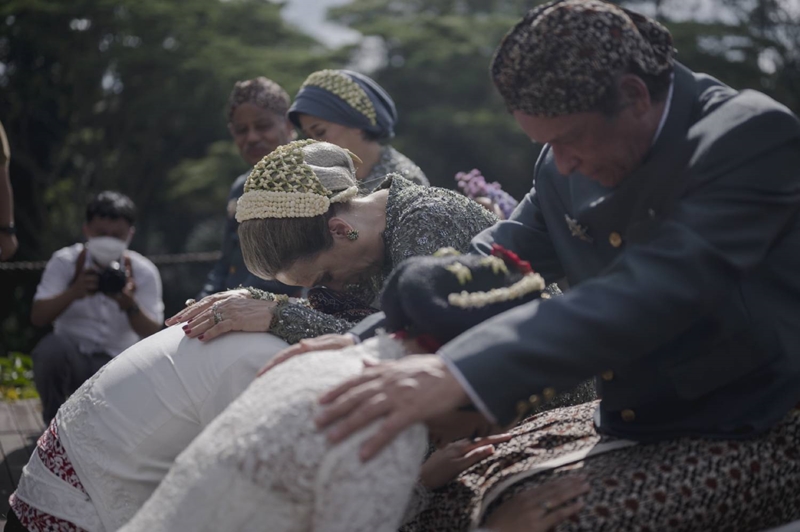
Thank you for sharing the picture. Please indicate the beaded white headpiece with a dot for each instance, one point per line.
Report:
(344, 87)
(298, 180)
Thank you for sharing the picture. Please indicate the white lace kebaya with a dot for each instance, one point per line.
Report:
(263, 465)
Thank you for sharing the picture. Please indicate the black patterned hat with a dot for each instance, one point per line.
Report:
(444, 295)
(563, 57)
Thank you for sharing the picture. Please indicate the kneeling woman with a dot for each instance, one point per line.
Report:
(304, 224)
(263, 465)
(113, 441)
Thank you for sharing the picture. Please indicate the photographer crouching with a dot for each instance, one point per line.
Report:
(100, 297)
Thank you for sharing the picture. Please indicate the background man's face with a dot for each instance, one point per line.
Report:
(257, 132)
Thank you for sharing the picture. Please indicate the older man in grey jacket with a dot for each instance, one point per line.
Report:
(670, 202)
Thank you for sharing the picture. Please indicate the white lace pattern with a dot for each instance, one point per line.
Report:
(263, 461)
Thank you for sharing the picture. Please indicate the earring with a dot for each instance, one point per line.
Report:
(352, 234)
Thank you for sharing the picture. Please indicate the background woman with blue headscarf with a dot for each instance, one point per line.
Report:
(352, 111)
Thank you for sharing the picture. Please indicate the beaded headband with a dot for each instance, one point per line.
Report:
(287, 182)
(345, 88)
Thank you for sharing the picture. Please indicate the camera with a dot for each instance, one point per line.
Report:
(112, 279)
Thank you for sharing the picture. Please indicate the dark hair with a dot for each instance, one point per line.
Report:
(259, 91)
(111, 204)
(272, 245)
(371, 136)
(657, 85)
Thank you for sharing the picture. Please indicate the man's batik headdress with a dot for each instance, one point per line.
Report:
(563, 56)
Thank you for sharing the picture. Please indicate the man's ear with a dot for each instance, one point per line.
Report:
(633, 93)
(339, 228)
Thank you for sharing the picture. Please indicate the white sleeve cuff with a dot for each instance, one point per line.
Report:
(470, 391)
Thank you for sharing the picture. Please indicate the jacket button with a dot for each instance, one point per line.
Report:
(628, 415)
(534, 400)
(232, 270)
(522, 407)
(607, 375)
(615, 239)
(548, 393)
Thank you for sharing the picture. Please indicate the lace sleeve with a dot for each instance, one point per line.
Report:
(372, 496)
(296, 321)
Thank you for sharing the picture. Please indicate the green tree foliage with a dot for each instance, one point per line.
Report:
(130, 95)
(437, 55)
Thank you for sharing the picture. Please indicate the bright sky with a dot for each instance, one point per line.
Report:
(309, 16)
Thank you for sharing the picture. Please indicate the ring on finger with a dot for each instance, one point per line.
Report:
(189, 302)
(216, 313)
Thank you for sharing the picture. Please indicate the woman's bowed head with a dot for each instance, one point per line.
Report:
(302, 223)
(429, 301)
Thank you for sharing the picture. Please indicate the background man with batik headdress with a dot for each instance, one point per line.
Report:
(671, 203)
(257, 122)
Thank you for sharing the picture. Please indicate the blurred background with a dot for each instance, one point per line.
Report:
(130, 95)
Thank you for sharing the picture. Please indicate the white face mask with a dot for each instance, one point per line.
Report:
(105, 249)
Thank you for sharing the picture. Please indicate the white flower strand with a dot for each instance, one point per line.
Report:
(532, 282)
(260, 204)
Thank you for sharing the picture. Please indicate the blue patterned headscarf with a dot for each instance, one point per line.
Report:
(347, 98)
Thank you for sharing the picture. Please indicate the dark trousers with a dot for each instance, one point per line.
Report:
(59, 369)
(13, 524)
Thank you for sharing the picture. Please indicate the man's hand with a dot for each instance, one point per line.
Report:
(125, 298)
(85, 281)
(326, 342)
(445, 464)
(541, 508)
(406, 391)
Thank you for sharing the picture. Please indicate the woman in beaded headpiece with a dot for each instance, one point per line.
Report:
(352, 111)
(263, 461)
(303, 222)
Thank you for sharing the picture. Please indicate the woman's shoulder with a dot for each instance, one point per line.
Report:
(394, 162)
(409, 200)
(420, 220)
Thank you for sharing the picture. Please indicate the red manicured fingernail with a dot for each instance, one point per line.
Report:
(187, 331)
(185, 327)
(201, 337)
(190, 320)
